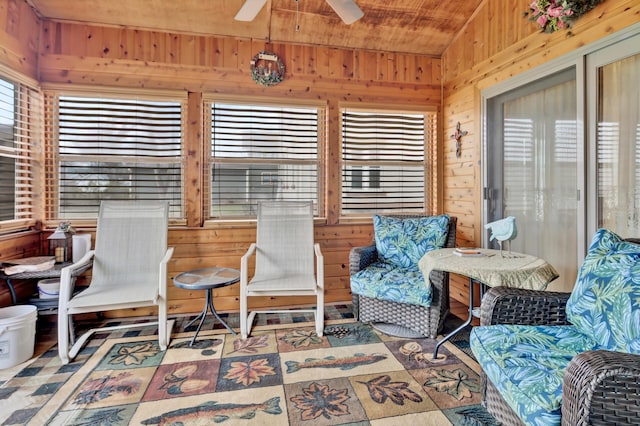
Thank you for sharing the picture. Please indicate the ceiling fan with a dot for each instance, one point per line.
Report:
(347, 10)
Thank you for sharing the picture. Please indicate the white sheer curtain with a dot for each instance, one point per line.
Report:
(618, 146)
(538, 182)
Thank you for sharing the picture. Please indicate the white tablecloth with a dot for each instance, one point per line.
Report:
(514, 270)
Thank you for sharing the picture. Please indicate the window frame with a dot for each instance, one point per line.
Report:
(52, 94)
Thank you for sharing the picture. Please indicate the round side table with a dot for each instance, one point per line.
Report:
(207, 279)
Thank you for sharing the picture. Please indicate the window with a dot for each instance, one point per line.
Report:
(617, 139)
(20, 120)
(365, 178)
(115, 148)
(383, 160)
(262, 152)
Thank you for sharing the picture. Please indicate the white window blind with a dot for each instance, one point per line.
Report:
(262, 152)
(20, 125)
(117, 149)
(383, 161)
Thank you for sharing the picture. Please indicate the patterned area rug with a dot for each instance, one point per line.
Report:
(282, 375)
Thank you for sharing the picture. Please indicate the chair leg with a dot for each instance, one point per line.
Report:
(244, 332)
(72, 331)
(63, 336)
(320, 315)
(163, 337)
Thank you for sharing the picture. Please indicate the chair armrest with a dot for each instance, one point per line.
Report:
(68, 273)
(83, 264)
(361, 257)
(250, 252)
(167, 256)
(601, 386)
(244, 265)
(506, 305)
(162, 284)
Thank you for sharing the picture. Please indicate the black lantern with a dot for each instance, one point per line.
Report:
(60, 245)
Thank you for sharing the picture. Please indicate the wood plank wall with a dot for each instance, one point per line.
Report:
(19, 42)
(90, 55)
(84, 55)
(496, 44)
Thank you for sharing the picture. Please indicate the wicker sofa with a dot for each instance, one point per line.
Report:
(423, 320)
(598, 386)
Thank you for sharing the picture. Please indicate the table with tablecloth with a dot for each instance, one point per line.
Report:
(492, 268)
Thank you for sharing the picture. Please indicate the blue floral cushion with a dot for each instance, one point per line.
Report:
(403, 242)
(605, 302)
(526, 364)
(385, 281)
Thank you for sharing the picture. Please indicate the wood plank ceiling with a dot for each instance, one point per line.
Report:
(424, 27)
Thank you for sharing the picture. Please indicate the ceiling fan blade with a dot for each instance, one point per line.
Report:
(250, 10)
(347, 10)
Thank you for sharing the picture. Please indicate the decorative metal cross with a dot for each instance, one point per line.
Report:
(458, 137)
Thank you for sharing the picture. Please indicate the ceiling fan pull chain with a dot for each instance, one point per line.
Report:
(297, 11)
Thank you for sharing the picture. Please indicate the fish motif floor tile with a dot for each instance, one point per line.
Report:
(258, 406)
(343, 361)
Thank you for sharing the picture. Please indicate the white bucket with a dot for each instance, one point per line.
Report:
(49, 288)
(17, 334)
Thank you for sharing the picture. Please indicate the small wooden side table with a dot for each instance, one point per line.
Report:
(207, 279)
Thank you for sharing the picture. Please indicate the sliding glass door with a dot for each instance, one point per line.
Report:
(532, 154)
(562, 153)
(614, 129)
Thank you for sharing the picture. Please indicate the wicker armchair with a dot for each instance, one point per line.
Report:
(425, 321)
(599, 387)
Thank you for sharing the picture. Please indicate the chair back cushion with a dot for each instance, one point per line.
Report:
(403, 241)
(605, 302)
(285, 239)
(131, 240)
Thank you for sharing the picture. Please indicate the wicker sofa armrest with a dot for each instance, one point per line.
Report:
(601, 387)
(361, 257)
(506, 305)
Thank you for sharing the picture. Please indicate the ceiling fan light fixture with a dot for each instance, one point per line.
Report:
(347, 10)
(250, 10)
